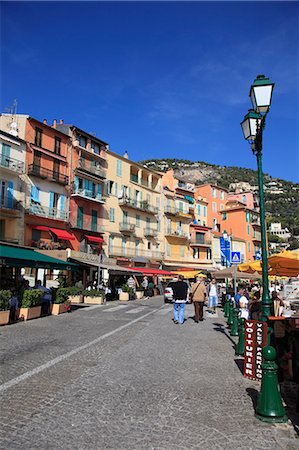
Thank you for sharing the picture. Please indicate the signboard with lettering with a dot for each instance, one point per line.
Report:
(225, 250)
(255, 340)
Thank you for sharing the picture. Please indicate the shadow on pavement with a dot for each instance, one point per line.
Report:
(240, 363)
(220, 328)
(289, 392)
(253, 394)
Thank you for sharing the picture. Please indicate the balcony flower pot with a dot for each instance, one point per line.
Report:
(93, 297)
(61, 303)
(139, 295)
(5, 297)
(124, 296)
(31, 305)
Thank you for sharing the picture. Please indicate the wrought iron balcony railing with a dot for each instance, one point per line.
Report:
(177, 233)
(95, 169)
(89, 195)
(133, 252)
(142, 205)
(150, 232)
(48, 174)
(12, 163)
(50, 213)
(126, 227)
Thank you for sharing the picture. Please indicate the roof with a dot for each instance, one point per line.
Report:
(11, 136)
(212, 185)
(130, 161)
(15, 256)
(54, 130)
(64, 125)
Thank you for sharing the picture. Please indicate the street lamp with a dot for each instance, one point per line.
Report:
(252, 126)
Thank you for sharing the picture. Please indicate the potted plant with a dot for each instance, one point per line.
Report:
(31, 304)
(93, 297)
(5, 297)
(75, 294)
(139, 293)
(126, 292)
(61, 302)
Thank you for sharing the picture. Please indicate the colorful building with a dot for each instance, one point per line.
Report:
(216, 198)
(134, 213)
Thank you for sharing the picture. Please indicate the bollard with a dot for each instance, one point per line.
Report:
(241, 332)
(226, 307)
(269, 405)
(230, 313)
(234, 327)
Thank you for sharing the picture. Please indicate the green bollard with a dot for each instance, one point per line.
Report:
(241, 343)
(226, 306)
(230, 313)
(269, 405)
(234, 327)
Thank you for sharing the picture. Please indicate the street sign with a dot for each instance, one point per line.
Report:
(255, 339)
(236, 257)
(258, 256)
(225, 250)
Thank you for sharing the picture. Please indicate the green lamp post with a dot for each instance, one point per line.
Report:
(253, 126)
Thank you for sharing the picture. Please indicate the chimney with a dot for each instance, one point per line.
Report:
(45, 121)
(61, 121)
(126, 155)
(54, 123)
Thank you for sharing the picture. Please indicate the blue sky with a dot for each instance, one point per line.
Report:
(158, 79)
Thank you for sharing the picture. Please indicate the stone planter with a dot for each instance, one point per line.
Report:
(93, 300)
(30, 313)
(58, 308)
(124, 296)
(76, 298)
(4, 317)
(139, 295)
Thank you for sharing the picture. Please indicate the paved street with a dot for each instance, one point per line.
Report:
(123, 376)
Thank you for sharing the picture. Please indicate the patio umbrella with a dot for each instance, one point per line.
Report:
(250, 267)
(229, 273)
(285, 263)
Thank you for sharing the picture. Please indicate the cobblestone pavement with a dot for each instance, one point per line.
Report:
(124, 376)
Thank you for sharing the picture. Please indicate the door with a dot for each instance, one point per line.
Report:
(5, 155)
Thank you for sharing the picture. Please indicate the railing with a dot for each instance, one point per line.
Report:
(88, 195)
(176, 211)
(41, 172)
(133, 252)
(11, 163)
(90, 227)
(50, 213)
(144, 206)
(185, 186)
(150, 232)
(94, 169)
(134, 178)
(127, 227)
(255, 221)
(206, 242)
(146, 183)
(177, 233)
(10, 203)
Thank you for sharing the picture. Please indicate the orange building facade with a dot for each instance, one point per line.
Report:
(216, 198)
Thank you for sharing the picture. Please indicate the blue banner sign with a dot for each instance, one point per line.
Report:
(225, 250)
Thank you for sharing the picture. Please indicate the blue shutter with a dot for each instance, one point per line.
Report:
(100, 190)
(51, 199)
(62, 202)
(35, 194)
(10, 194)
(76, 184)
(5, 155)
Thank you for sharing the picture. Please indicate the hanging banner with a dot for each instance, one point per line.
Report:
(255, 340)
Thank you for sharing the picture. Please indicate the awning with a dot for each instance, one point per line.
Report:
(150, 271)
(139, 259)
(98, 240)
(113, 269)
(190, 199)
(62, 234)
(14, 256)
(40, 228)
(189, 273)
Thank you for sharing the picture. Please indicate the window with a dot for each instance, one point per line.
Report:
(205, 211)
(214, 207)
(110, 243)
(56, 170)
(224, 216)
(198, 210)
(118, 168)
(137, 221)
(248, 230)
(80, 216)
(57, 145)
(248, 246)
(222, 195)
(200, 238)
(5, 155)
(94, 220)
(115, 189)
(209, 253)
(168, 250)
(181, 207)
(247, 216)
(123, 246)
(36, 235)
(214, 193)
(221, 207)
(136, 247)
(38, 137)
(82, 141)
(34, 194)
(95, 147)
(112, 215)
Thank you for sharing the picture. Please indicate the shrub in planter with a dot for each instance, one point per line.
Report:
(75, 294)
(31, 304)
(62, 296)
(93, 296)
(61, 303)
(5, 297)
(126, 288)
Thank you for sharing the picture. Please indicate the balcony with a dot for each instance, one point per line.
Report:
(89, 150)
(134, 253)
(86, 166)
(145, 183)
(87, 227)
(50, 213)
(135, 204)
(48, 174)
(10, 206)
(88, 195)
(150, 232)
(255, 221)
(12, 164)
(200, 243)
(177, 233)
(127, 228)
(185, 186)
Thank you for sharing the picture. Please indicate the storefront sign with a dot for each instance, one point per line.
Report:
(255, 340)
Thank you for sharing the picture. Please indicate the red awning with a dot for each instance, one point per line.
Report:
(98, 240)
(40, 228)
(150, 271)
(62, 234)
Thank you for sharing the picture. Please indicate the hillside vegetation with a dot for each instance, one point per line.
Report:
(281, 196)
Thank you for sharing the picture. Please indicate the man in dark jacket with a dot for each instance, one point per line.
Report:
(180, 296)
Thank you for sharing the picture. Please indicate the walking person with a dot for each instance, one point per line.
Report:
(131, 283)
(198, 295)
(180, 294)
(213, 296)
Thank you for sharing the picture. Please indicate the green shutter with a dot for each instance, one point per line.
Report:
(80, 216)
(94, 220)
